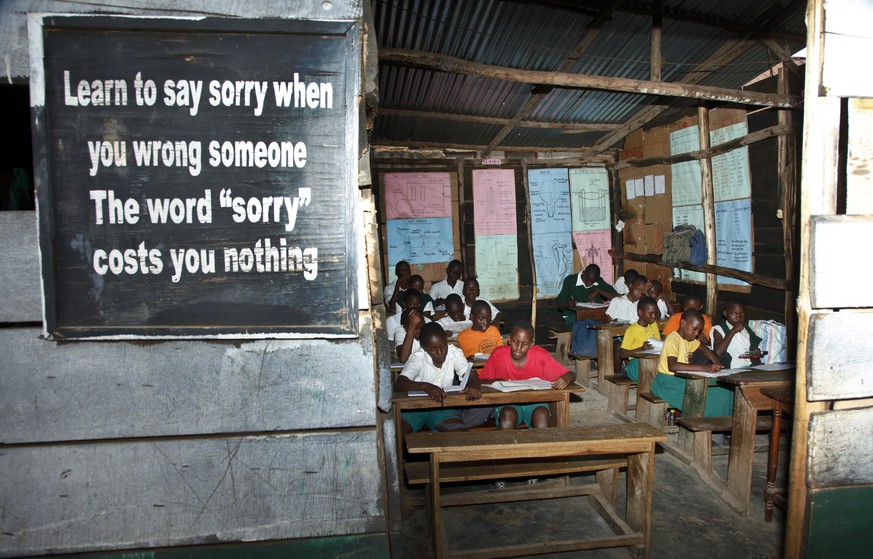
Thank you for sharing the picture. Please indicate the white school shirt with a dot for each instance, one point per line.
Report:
(467, 309)
(620, 287)
(420, 368)
(620, 308)
(442, 289)
(662, 307)
(739, 345)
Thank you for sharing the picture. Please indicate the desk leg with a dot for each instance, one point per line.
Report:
(401, 470)
(562, 411)
(693, 405)
(772, 464)
(436, 523)
(739, 481)
(640, 478)
(605, 360)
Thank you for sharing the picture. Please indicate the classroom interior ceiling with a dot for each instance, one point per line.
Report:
(724, 44)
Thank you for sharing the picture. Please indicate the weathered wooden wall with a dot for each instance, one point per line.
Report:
(125, 445)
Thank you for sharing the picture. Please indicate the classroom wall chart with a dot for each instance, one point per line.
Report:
(494, 220)
(589, 199)
(550, 228)
(419, 211)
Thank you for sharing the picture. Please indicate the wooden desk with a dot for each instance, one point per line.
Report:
(558, 400)
(597, 313)
(605, 356)
(783, 402)
(748, 401)
(634, 440)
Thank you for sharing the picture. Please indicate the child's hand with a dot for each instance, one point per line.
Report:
(473, 392)
(703, 338)
(593, 295)
(738, 327)
(436, 393)
(561, 383)
(415, 320)
(647, 345)
(715, 367)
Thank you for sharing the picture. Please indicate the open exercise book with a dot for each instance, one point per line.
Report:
(591, 305)
(453, 389)
(516, 385)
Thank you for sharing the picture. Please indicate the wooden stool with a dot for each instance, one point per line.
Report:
(783, 401)
(562, 344)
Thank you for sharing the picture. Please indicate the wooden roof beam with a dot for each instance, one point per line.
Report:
(564, 127)
(452, 64)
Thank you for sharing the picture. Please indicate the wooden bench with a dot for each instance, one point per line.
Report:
(633, 443)
(651, 409)
(618, 392)
(583, 368)
(702, 429)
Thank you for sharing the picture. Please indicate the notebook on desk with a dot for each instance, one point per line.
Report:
(454, 388)
(516, 385)
(721, 373)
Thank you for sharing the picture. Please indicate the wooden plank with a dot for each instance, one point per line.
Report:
(838, 369)
(754, 279)
(52, 391)
(835, 240)
(840, 447)
(19, 271)
(72, 498)
(434, 61)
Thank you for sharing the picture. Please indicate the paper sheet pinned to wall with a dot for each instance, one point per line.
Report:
(494, 202)
(733, 233)
(549, 200)
(420, 241)
(417, 195)
(593, 247)
(553, 256)
(589, 199)
(685, 176)
(497, 266)
(730, 171)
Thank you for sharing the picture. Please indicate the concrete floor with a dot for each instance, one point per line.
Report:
(689, 520)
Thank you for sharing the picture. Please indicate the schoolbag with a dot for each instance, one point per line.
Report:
(698, 249)
(677, 245)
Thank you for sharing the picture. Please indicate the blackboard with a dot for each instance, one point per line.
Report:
(196, 177)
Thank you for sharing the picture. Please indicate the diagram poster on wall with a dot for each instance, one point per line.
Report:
(589, 198)
(417, 195)
(550, 228)
(733, 233)
(497, 266)
(685, 175)
(420, 241)
(593, 247)
(494, 202)
(549, 200)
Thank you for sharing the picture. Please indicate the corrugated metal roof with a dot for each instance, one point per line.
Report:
(541, 36)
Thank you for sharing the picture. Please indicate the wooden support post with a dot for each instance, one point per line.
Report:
(530, 247)
(462, 219)
(708, 209)
(821, 118)
(787, 173)
(655, 54)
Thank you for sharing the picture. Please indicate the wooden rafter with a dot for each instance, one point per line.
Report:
(564, 127)
(586, 81)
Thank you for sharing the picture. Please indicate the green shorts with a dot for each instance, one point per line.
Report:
(525, 412)
(419, 419)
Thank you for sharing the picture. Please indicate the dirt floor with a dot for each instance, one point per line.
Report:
(689, 519)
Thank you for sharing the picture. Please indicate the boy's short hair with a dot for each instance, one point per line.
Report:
(430, 331)
(409, 294)
(398, 265)
(629, 275)
(692, 313)
(479, 304)
(594, 268)
(658, 283)
(453, 297)
(645, 300)
(523, 325)
(639, 277)
(415, 277)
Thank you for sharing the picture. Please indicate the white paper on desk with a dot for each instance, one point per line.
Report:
(774, 367)
(517, 385)
(721, 373)
(480, 357)
(651, 351)
(453, 389)
(591, 305)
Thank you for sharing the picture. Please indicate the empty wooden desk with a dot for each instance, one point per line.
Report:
(605, 356)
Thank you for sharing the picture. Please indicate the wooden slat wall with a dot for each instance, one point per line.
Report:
(122, 445)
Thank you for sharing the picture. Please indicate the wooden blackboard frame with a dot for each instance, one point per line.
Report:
(329, 310)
